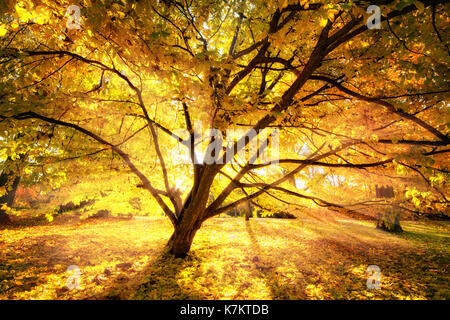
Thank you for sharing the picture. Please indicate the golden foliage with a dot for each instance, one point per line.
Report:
(230, 259)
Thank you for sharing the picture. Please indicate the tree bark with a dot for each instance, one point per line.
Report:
(192, 215)
(248, 212)
(181, 241)
(389, 221)
(183, 235)
(4, 218)
(8, 197)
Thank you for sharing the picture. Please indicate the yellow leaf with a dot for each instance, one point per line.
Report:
(15, 25)
(49, 217)
(3, 31)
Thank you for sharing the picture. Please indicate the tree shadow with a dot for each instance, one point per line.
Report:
(334, 265)
(231, 259)
(21, 267)
(34, 262)
(425, 237)
(266, 267)
(161, 279)
(23, 223)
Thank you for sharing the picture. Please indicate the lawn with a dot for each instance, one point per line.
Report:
(307, 258)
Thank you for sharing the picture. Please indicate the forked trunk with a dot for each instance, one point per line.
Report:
(183, 235)
(192, 215)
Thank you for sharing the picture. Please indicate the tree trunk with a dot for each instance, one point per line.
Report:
(8, 197)
(248, 212)
(193, 214)
(183, 235)
(181, 241)
(4, 218)
(389, 221)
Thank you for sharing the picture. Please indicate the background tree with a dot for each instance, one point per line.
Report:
(9, 182)
(363, 103)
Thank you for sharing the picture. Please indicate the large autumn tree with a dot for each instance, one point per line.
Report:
(114, 88)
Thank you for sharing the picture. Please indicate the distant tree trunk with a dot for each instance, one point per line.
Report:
(389, 221)
(4, 218)
(248, 212)
(9, 196)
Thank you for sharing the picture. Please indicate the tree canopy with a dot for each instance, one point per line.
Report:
(120, 91)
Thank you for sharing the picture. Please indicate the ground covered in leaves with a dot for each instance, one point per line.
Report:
(306, 258)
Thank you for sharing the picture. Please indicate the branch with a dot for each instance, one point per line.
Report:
(311, 158)
(319, 52)
(145, 182)
(387, 105)
(324, 164)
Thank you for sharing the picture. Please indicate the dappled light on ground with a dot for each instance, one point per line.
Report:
(230, 259)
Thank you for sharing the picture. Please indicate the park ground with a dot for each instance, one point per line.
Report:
(314, 257)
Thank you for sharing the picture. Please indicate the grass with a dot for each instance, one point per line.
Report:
(230, 259)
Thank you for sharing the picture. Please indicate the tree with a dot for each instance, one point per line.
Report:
(10, 177)
(9, 181)
(20, 164)
(361, 102)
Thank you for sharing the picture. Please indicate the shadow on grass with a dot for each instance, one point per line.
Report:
(425, 237)
(231, 259)
(34, 261)
(9, 283)
(21, 267)
(23, 223)
(267, 268)
(160, 280)
(331, 267)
